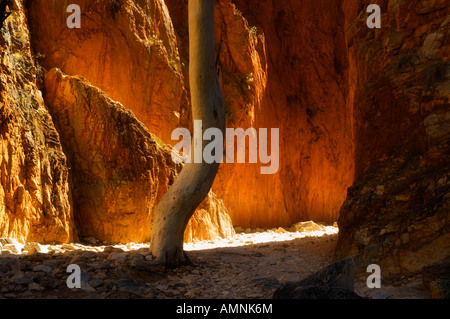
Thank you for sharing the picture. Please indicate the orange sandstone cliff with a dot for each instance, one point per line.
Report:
(276, 72)
(74, 161)
(35, 197)
(363, 117)
(119, 170)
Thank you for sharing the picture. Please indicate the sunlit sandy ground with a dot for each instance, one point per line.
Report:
(243, 239)
(240, 239)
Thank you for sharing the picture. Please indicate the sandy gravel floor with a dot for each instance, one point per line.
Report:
(248, 265)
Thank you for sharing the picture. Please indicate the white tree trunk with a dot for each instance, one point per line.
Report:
(195, 180)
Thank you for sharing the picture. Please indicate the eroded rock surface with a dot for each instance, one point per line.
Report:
(126, 48)
(119, 169)
(396, 214)
(35, 198)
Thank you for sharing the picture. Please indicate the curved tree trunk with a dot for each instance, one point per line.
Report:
(195, 180)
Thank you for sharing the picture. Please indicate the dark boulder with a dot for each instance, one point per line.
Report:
(436, 279)
(336, 281)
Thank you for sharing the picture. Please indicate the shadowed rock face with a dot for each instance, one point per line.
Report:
(119, 170)
(35, 198)
(113, 159)
(396, 213)
(397, 216)
(436, 279)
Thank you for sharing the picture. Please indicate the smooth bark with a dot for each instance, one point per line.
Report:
(195, 180)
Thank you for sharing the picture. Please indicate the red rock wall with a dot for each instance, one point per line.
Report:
(35, 196)
(396, 213)
(280, 67)
(113, 169)
(125, 48)
(295, 53)
(394, 73)
(119, 170)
